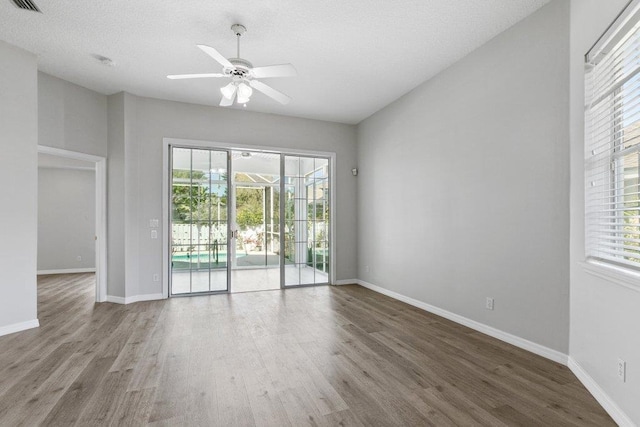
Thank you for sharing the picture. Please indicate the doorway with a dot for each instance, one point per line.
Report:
(246, 220)
(255, 220)
(66, 159)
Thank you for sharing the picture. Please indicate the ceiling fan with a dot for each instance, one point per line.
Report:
(243, 75)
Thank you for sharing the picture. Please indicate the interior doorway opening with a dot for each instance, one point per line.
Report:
(246, 220)
(59, 159)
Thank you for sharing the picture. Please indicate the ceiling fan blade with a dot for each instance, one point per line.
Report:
(216, 55)
(228, 102)
(282, 70)
(269, 91)
(194, 76)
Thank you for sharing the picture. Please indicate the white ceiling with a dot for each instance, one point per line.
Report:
(353, 57)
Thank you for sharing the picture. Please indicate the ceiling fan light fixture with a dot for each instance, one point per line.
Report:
(244, 91)
(229, 90)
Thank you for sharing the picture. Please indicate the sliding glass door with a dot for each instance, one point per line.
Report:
(306, 220)
(248, 220)
(199, 221)
(256, 221)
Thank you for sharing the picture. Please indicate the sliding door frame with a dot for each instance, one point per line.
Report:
(168, 143)
(168, 213)
(283, 156)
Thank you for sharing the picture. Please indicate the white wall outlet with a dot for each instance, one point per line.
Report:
(156, 277)
(622, 370)
(366, 268)
(154, 234)
(489, 303)
(79, 258)
(154, 223)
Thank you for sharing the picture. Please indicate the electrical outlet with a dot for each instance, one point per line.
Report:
(79, 258)
(154, 234)
(622, 370)
(489, 304)
(156, 277)
(366, 268)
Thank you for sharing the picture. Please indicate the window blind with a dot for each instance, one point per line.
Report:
(612, 142)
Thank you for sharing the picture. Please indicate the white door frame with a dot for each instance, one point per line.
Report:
(101, 212)
(192, 143)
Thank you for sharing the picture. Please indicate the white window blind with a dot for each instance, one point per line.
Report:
(612, 133)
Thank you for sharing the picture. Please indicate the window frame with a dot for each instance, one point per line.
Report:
(597, 261)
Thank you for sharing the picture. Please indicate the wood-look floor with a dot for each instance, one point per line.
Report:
(307, 356)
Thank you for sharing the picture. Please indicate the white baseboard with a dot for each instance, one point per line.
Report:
(538, 349)
(17, 327)
(67, 271)
(135, 298)
(600, 395)
(116, 300)
(346, 282)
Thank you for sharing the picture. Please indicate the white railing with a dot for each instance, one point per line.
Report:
(186, 235)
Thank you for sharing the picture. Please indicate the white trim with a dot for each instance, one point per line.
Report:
(68, 154)
(613, 274)
(101, 212)
(17, 327)
(135, 298)
(67, 271)
(115, 299)
(600, 395)
(346, 282)
(531, 346)
(333, 212)
(75, 168)
(165, 218)
(196, 143)
(101, 230)
(146, 297)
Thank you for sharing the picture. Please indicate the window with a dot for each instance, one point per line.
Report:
(612, 133)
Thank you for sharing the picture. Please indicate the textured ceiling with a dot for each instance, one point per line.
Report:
(353, 57)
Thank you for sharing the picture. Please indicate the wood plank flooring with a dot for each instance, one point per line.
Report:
(307, 356)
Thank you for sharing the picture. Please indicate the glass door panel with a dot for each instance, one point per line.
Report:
(256, 209)
(306, 220)
(199, 224)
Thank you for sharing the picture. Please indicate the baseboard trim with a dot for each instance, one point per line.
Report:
(525, 344)
(600, 395)
(17, 327)
(67, 271)
(346, 282)
(135, 298)
(115, 299)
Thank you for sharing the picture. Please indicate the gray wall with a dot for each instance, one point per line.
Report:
(71, 117)
(115, 197)
(66, 219)
(137, 127)
(605, 316)
(18, 174)
(463, 187)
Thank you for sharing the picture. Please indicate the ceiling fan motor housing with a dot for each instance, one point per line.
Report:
(241, 68)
